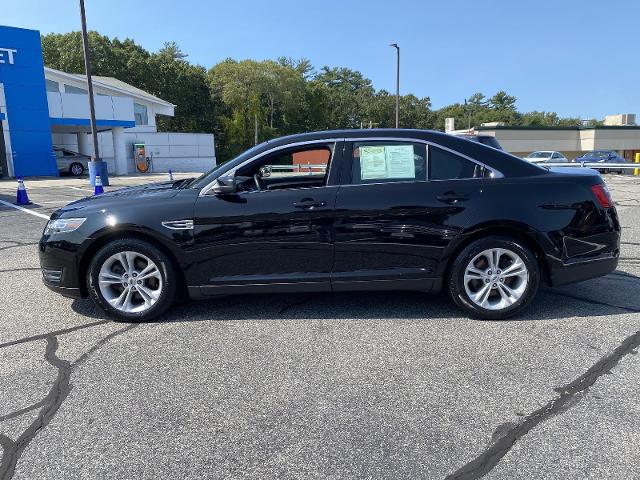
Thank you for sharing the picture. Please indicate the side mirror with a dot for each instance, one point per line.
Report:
(225, 186)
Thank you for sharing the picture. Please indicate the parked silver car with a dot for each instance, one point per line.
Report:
(546, 156)
(70, 162)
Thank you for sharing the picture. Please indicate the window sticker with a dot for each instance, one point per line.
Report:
(390, 161)
(400, 163)
(372, 163)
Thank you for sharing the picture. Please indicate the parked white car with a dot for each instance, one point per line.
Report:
(70, 162)
(546, 156)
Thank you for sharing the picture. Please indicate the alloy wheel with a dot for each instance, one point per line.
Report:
(77, 169)
(496, 278)
(130, 282)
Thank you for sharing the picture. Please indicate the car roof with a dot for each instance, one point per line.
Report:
(500, 160)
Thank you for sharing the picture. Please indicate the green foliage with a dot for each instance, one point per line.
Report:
(166, 74)
(241, 100)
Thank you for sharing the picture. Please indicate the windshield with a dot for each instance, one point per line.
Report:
(540, 154)
(215, 171)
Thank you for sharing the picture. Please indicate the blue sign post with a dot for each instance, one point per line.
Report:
(27, 110)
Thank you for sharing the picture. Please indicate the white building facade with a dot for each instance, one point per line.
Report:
(131, 117)
(41, 108)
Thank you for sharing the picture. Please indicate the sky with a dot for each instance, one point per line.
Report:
(579, 58)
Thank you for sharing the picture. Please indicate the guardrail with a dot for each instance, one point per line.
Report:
(594, 165)
(309, 168)
(297, 166)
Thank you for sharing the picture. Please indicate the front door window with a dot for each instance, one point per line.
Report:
(288, 169)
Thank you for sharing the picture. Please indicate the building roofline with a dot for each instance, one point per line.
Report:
(73, 76)
(594, 127)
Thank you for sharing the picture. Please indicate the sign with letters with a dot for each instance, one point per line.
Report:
(7, 55)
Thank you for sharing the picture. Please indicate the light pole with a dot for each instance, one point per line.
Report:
(468, 109)
(395, 45)
(96, 166)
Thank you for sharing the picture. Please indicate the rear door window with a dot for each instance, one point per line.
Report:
(388, 161)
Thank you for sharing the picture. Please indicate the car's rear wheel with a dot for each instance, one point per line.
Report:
(494, 278)
(76, 169)
(131, 280)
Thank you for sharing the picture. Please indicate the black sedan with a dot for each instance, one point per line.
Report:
(339, 211)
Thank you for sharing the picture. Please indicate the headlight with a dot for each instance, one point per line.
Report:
(63, 225)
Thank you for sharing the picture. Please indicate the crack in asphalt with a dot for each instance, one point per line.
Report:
(22, 411)
(55, 333)
(17, 244)
(12, 449)
(22, 269)
(592, 302)
(506, 435)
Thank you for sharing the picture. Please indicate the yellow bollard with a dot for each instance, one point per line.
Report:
(636, 171)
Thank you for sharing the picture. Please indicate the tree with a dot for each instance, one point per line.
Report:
(241, 100)
(502, 101)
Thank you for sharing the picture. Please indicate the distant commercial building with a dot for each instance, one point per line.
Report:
(621, 119)
(41, 107)
(570, 141)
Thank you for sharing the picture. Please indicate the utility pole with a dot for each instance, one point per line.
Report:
(395, 45)
(96, 165)
(466, 107)
(255, 128)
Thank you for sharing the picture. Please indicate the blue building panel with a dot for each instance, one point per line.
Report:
(27, 111)
(86, 122)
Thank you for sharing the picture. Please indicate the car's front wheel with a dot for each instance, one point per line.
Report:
(131, 280)
(494, 278)
(76, 169)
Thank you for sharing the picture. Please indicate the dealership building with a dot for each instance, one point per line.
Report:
(572, 142)
(41, 108)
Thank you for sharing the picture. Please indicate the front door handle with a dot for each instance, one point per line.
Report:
(308, 204)
(452, 197)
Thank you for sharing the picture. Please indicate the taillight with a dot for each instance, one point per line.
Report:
(602, 194)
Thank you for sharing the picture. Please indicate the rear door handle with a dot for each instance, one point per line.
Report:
(308, 204)
(452, 197)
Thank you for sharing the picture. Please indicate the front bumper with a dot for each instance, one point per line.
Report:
(60, 267)
(577, 271)
(69, 292)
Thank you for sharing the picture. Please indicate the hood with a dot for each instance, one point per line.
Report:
(127, 195)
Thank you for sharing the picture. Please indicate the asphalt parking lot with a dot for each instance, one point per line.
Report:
(395, 385)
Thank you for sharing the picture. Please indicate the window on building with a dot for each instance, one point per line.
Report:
(52, 86)
(140, 113)
(72, 89)
(445, 165)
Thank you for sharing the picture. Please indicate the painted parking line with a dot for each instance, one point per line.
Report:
(80, 188)
(26, 210)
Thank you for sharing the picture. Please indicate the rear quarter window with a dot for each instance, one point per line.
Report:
(445, 165)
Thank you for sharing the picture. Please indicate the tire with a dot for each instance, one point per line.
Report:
(76, 169)
(509, 292)
(119, 292)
